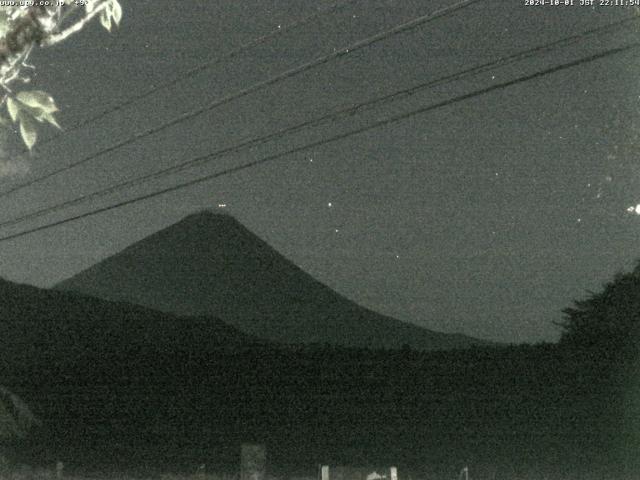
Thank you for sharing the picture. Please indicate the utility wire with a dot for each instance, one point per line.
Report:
(381, 123)
(404, 27)
(519, 56)
(203, 67)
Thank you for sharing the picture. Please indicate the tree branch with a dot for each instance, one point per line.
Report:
(76, 27)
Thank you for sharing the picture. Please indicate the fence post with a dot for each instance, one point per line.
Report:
(253, 462)
(201, 471)
(324, 472)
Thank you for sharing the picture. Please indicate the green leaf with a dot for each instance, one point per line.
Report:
(116, 12)
(43, 116)
(105, 19)
(38, 99)
(4, 24)
(28, 131)
(12, 108)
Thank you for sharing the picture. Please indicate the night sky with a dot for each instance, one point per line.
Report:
(484, 217)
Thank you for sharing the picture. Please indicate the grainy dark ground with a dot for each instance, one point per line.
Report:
(511, 412)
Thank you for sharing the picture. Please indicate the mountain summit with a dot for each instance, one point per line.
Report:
(210, 264)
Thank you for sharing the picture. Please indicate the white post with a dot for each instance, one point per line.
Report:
(324, 475)
(253, 462)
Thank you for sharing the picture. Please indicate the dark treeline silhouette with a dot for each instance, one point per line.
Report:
(500, 410)
(605, 326)
(608, 320)
(155, 392)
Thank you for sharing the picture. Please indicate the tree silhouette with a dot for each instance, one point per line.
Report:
(609, 319)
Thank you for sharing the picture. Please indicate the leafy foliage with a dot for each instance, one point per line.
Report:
(111, 14)
(30, 107)
(24, 27)
(609, 319)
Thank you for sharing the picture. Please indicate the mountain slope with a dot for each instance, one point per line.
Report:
(209, 264)
(37, 323)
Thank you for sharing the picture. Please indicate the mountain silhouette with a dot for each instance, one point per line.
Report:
(209, 264)
(38, 324)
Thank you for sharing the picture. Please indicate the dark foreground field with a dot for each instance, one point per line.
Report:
(509, 412)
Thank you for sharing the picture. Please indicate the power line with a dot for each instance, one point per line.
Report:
(201, 68)
(381, 123)
(404, 27)
(519, 56)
